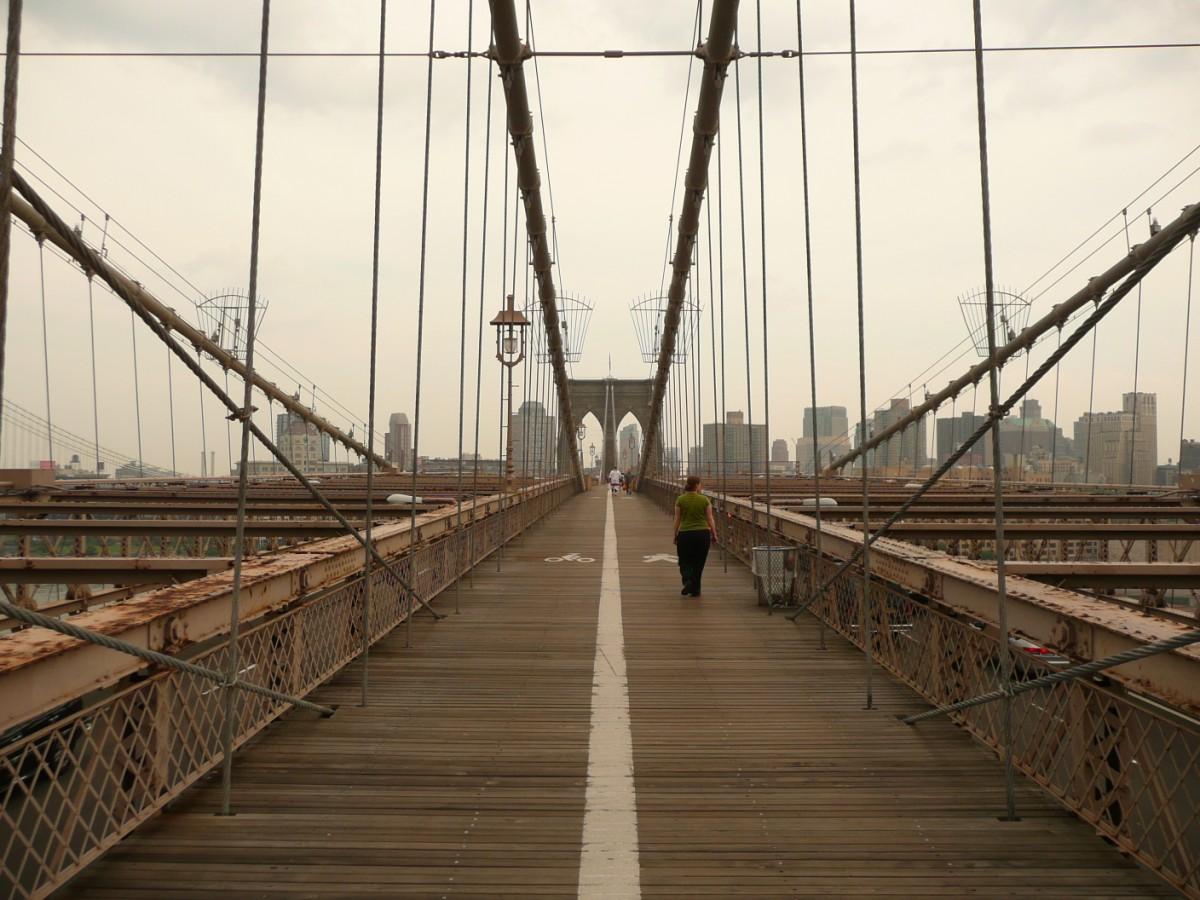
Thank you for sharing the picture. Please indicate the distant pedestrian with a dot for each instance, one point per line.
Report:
(629, 482)
(614, 479)
(695, 530)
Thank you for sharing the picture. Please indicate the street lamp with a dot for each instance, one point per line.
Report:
(510, 350)
(580, 434)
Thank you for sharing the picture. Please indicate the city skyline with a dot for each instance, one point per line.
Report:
(323, 109)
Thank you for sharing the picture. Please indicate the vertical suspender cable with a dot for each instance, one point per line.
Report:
(46, 357)
(1021, 468)
(737, 80)
(204, 466)
(712, 342)
(722, 425)
(1054, 428)
(368, 575)
(234, 666)
(95, 391)
(812, 335)
(524, 410)
(762, 221)
(1137, 346)
(1087, 452)
(12, 62)
(1186, 335)
(462, 317)
(228, 422)
(171, 411)
(487, 162)
(416, 456)
(996, 412)
(696, 346)
(503, 293)
(864, 616)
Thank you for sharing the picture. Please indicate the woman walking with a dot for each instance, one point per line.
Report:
(695, 531)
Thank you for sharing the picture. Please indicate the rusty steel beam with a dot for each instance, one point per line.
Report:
(40, 671)
(510, 53)
(107, 569)
(194, 336)
(1106, 575)
(1149, 253)
(211, 510)
(1074, 513)
(716, 53)
(171, 528)
(1030, 531)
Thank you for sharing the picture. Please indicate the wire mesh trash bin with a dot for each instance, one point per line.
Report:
(774, 574)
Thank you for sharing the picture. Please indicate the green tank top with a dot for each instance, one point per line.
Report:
(692, 505)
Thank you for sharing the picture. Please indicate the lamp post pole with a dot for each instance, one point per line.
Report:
(510, 326)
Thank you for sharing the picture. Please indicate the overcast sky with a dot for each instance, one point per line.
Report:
(165, 145)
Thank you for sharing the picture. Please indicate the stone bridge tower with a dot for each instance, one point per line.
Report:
(609, 400)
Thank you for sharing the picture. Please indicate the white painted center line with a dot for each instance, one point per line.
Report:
(608, 865)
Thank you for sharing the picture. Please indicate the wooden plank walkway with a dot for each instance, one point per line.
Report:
(756, 771)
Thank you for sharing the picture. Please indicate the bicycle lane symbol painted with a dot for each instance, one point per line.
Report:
(569, 557)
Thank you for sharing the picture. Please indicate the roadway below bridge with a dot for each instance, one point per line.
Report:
(582, 729)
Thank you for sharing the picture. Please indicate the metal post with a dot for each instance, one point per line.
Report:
(994, 389)
(245, 417)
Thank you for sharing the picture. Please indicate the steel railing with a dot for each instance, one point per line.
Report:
(1126, 764)
(75, 787)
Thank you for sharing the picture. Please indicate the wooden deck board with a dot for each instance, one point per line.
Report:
(757, 771)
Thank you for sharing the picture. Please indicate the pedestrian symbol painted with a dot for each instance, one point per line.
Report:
(660, 557)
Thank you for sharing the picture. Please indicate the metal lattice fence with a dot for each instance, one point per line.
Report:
(1124, 764)
(76, 787)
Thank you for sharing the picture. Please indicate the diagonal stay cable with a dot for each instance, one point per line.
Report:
(125, 291)
(994, 415)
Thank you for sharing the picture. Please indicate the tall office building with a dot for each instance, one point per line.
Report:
(299, 441)
(901, 452)
(779, 451)
(734, 446)
(831, 426)
(951, 432)
(534, 438)
(629, 446)
(398, 442)
(1120, 447)
(1189, 458)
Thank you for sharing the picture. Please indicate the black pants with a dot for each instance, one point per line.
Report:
(692, 549)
